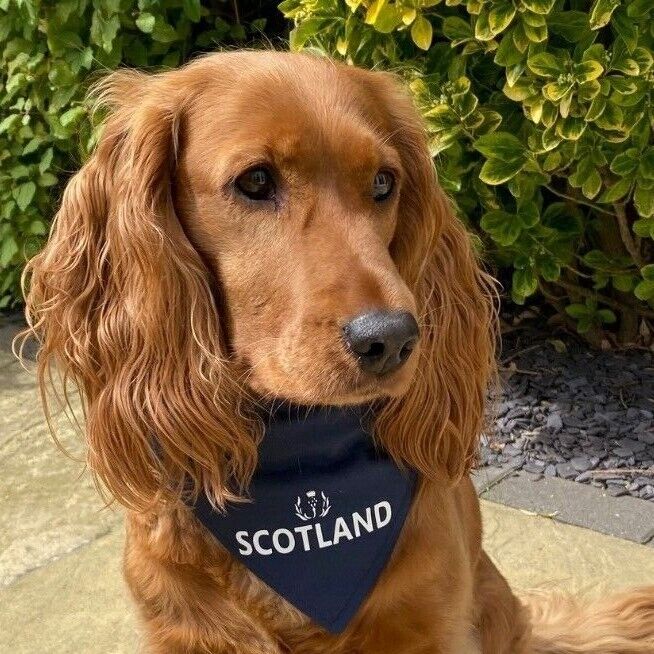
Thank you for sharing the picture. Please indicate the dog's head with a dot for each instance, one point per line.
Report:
(259, 226)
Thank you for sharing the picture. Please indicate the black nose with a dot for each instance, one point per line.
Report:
(382, 340)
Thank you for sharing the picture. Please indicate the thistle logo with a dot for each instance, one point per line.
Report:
(307, 508)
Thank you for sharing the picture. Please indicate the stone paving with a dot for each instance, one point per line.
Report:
(61, 590)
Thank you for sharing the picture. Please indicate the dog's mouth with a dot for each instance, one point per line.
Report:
(369, 358)
(369, 388)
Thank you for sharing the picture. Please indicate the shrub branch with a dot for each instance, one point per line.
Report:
(595, 207)
(604, 299)
(625, 233)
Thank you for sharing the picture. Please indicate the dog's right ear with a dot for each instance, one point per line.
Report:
(435, 426)
(122, 305)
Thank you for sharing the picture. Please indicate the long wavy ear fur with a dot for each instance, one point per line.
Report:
(436, 425)
(123, 307)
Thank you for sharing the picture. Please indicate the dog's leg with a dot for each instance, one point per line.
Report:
(190, 615)
(173, 573)
(164, 637)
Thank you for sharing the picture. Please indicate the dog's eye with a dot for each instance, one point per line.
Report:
(256, 184)
(382, 185)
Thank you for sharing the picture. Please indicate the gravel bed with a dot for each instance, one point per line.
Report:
(566, 411)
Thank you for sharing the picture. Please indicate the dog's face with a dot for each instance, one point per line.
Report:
(259, 225)
(288, 186)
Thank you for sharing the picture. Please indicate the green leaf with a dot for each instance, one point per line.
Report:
(624, 283)
(644, 227)
(9, 122)
(639, 8)
(606, 316)
(528, 215)
(648, 272)
(645, 290)
(8, 250)
(524, 282)
(388, 18)
(495, 171)
(33, 145)
(441, 117)
(578, 311)
(545, 65)
(570, 128)
(38, 228)
(503, 227)
(612, 117)
(644, 58)
(596, 108)
(555, 91)
(597, 259)
(617, 191)
(539, 6)
(163, 32)
(550, 138)
(534, 34)
(626, 28)
(104, 30)
(502, 146)
(592, 185)
(483, 32)
(306, 30)
(500, 17)
(644, 203)
(457, 30)
(47, 179)
(521, 90)
(465, 105)
(192, 10)
(573, 26)
(552, 161)
(549, 270)
(625, 163)
(587, 70)
(601, 12)
(72, 116)
(24, 194)
(373, 10)
(646, 165)
(46, 160)
(145, 22)
(422, 33)
(507, 54)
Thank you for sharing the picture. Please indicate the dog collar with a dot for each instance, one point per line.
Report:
(326, 510)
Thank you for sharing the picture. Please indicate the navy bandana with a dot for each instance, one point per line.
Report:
(327, 509)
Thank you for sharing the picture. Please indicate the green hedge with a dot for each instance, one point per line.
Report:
(539, 112)
(540, 119)
(48, 52)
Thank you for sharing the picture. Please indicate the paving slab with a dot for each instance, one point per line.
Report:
(79, 604)
(76, 605)
(577, 504)
(534, 552)
(49, 506)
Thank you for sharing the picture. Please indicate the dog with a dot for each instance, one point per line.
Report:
(261, 227)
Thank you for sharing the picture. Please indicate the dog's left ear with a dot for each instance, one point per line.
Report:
(123, 306)
(435, 426)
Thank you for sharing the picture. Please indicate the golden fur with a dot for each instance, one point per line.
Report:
(176, 307)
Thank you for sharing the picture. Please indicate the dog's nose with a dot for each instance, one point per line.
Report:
(382, 340)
